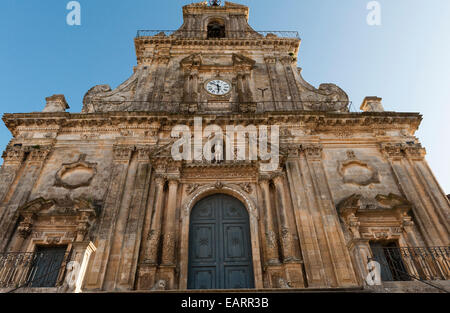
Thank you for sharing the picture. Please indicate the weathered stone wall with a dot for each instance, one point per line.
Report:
(106, 175)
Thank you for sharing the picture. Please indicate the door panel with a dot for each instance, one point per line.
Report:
(237, 277)
(219, 245)
(204, 238)
(235, 243)
(204, 278)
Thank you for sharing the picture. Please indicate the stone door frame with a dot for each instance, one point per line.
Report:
(248, 203)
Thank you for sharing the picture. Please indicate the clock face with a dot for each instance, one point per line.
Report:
(218, 87)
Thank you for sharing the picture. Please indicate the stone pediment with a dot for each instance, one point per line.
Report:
(239, 59)
(36, 206)
(356, 204)
(53, 207)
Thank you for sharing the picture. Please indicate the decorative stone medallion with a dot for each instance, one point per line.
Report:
(75, 175)
(354, 171)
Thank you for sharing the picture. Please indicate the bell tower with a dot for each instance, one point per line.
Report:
(216, 63)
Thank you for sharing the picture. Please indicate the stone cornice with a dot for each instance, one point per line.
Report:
(319, 121)
(289, 44)
(228, 8)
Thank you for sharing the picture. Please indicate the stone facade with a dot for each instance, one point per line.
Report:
(103, 180)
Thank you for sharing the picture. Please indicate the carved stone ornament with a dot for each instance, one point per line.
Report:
(384, 220)
(191, 188)
(393, 201)
(78, 213)
(357, 203)
(354, 171)
(14, 154)
(218, 185)
(400, 150)
(247, 187)
(77, 174)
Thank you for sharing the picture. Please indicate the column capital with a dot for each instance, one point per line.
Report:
(264, 178)
(14, 154)
(173, 180)
(144, 153)
(122, 152)
(278, 176)
(400, 150)
(291, 150)
(313, 151)
(160, 179)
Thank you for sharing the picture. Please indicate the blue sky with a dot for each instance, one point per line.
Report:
(406, 60)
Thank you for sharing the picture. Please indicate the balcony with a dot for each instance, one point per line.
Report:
(203, 34)
(420, 263)
(41, 269)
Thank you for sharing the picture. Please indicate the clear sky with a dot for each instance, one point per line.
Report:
(406, 60)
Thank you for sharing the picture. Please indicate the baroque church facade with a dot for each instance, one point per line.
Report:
(102, 187)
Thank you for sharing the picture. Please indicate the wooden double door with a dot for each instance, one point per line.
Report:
(220, 255)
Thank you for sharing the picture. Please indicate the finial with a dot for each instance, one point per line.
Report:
(214, 3)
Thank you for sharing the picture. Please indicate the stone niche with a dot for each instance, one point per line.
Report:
(77, 174)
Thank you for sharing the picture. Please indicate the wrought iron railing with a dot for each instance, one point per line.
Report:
(203, 34)
(408, 263)
(35, 269)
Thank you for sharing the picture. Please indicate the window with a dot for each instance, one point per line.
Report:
(389, 255)
(47, 265)
(216, 29)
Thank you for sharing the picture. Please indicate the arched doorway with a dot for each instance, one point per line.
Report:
(220, 252)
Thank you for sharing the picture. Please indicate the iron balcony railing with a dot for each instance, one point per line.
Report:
(408, 263)
(32, 269)
(203, 34)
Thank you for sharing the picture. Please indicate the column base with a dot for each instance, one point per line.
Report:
(146, 277)
(166, 274)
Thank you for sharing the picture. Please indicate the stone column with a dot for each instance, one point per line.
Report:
(405, 161)
(291, 260)
(13, 159)
(168, 253)
(240, 88)
(168, 264)
(147, 269)
(187, 87)
(135, 220)
(162, 60)
(287, 244)
(291, 82)
(337, 261)
(151, 253)
(271, 241)
(304, 217)
(251, 107)
(110, 212)
(20, 190)
(271, 62)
